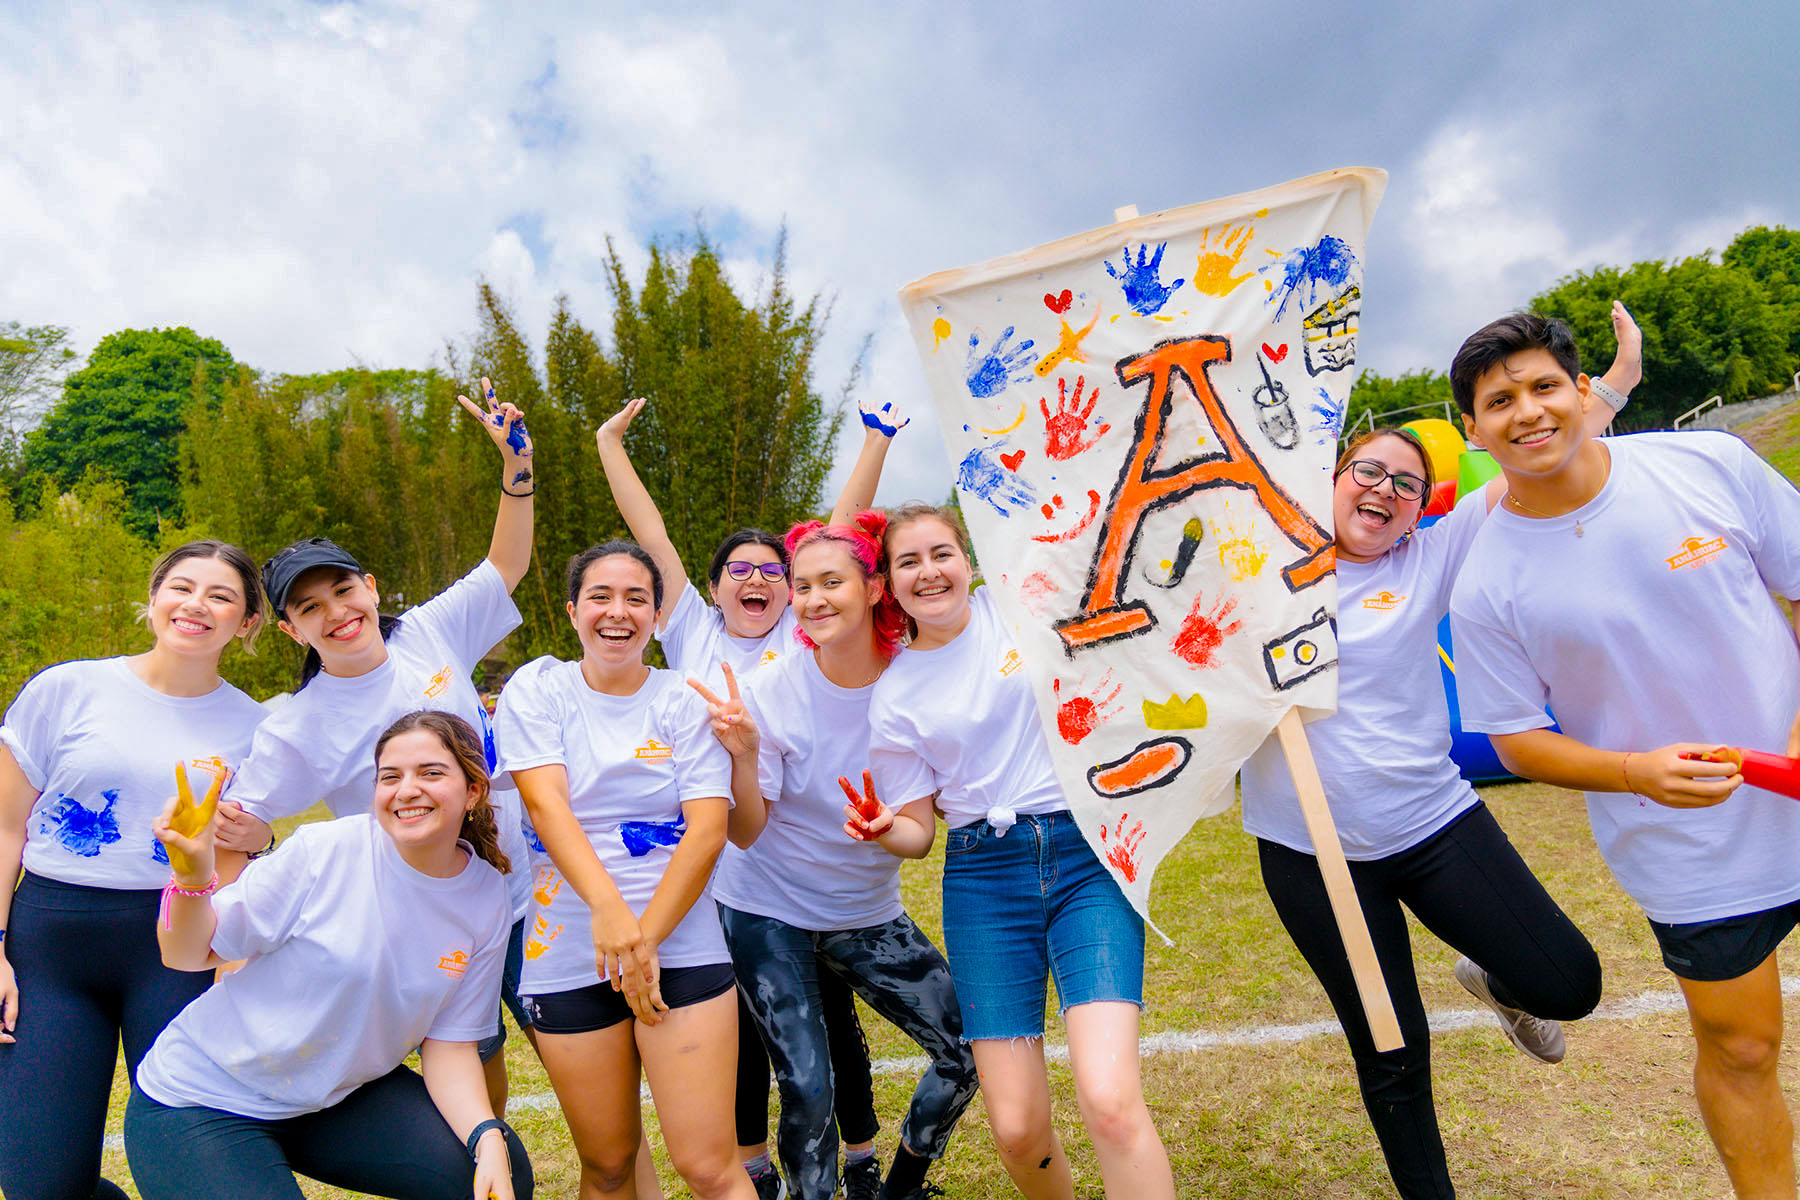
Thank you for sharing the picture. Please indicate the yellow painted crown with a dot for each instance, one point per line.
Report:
(1177, 713)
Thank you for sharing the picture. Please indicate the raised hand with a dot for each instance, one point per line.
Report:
(1630, 358)
(1064, 427)
(883, 420)
(992, 371)
(732, 723)
(186, 830)
(613, 430)
(1141, 281)
(866, 817)
(505, 424)
(1221, 251)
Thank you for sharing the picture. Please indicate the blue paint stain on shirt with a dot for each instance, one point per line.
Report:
(640, 836)
(158, 851)
(489, 750)
(982, 474)
(1141, 281)
(532, 839)
(1329, 263)
(79, 829)
(998, 368)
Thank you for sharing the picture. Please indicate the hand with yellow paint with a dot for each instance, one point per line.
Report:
(1221, 251)
(186, 830)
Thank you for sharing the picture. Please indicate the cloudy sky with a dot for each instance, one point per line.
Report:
(320, 184)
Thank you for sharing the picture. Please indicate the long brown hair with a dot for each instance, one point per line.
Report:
(478, 826)
(918, 510)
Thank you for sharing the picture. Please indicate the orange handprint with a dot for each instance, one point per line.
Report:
(1122, 846)
(541, 937)
(543, 890)
(1221, 250)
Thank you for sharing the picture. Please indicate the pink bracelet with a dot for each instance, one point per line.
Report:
(1625, 773)
(174, 888)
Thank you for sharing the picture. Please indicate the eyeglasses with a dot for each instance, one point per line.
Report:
(774, 572)
(1370, 473)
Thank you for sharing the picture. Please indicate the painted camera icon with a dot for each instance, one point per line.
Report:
(1302, 653)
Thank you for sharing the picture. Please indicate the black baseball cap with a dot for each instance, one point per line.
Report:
(280, 572)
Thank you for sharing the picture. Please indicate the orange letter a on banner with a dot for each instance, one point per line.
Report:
(1142, 490)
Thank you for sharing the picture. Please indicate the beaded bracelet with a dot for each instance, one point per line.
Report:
(1625, 772)
(174, 888)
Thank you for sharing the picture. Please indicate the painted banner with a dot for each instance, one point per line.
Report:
(1142, 421)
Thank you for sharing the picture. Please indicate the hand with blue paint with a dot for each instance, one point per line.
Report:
(505, 424)
(983, 474)
(992, 371)
(1142, 280)
(883, 420)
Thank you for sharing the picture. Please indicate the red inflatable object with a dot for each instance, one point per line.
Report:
(1771, 772)
(1443, 498)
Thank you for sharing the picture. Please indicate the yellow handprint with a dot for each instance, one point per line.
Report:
(190, 818)
(543, 890)
(1239, 553)
(541, 937)
(1221, 250)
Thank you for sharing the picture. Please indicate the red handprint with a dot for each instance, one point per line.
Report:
(1064, 427)
(1122, 847)
(1078, 716)
(1201, 634)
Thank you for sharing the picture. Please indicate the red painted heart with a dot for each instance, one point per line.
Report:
(1275, 355)
(1013, 460)
(1059, 304)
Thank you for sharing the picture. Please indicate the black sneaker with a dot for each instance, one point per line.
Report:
(862, 1179)
(925, 1191)
(769, 1185)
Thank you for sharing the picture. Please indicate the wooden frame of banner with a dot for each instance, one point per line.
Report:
(1378, 1006)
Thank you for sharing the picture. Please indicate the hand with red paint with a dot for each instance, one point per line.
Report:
(867, 818)
(1684, 775)
(732, 723)
(1064, 428)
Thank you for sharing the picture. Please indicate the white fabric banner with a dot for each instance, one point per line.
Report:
(1142, 420)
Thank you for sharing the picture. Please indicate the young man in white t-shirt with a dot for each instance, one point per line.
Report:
(1625, 584)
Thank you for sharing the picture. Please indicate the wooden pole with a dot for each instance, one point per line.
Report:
(1378, 1007)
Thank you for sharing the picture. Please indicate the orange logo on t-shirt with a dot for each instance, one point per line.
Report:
(212, 766)
(768, 656)
(438, 683)
(1383, 601)
(454, 964)
(653, 749)
(1695, 551)
(1011, 662)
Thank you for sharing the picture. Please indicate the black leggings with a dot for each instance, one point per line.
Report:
(89, 974)
(386, 1138)
(849, 1049)
(1468, 886)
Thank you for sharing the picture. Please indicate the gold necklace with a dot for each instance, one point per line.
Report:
(1524, 507)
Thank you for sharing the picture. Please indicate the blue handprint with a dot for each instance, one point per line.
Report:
(1329, 263)
(1144, 291)
(998, 369)
(640, 836)
(983, 474)
(1330, 414)
(79, 829)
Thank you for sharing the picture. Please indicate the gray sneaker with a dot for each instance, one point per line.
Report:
(862, 1179)
(769, 1185)
(1534, 1036)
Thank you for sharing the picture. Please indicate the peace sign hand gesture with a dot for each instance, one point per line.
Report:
(867, 818)
(505, 424)
(185, 829)
(732, 723)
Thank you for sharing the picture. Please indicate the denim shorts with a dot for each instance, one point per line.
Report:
(1028, 906)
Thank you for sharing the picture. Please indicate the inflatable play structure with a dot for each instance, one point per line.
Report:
(1458, 471)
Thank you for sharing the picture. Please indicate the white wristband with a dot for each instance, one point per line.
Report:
(1615, 399)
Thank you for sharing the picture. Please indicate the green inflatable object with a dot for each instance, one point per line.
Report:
(1474, 470)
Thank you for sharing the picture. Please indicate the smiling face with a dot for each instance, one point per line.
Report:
(199, 607)
(421, 794)
(614, 611)
(930, 574)
(1370, 519)
(751, 606)
(1529, 413)
(833, 598)
(335, 612)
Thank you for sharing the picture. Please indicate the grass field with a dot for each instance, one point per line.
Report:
(1617, 1119)
(1776, 436)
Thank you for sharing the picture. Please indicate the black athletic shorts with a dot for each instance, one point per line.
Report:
(597, 1006)
(1713, 951)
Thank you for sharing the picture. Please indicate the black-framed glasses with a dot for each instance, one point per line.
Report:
(774, 572)
(1369, 473)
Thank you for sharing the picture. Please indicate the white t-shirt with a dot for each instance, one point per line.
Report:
(960, 720)
(632, 762)
(695, 641)
(320, 745)
(1384, 756)
(354, 958)
(1655, 626)
(804, 869)
(100, 746)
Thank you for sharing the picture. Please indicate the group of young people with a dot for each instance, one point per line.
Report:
(680, 876)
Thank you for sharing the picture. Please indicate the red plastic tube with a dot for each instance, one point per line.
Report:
(1771, 772)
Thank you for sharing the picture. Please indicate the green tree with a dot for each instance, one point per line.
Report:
(1772, 257)
(1410, 396)
(124, 413)
(1709, 329)
(33, 361)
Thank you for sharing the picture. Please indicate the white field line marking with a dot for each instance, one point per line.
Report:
(1630, 1008)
